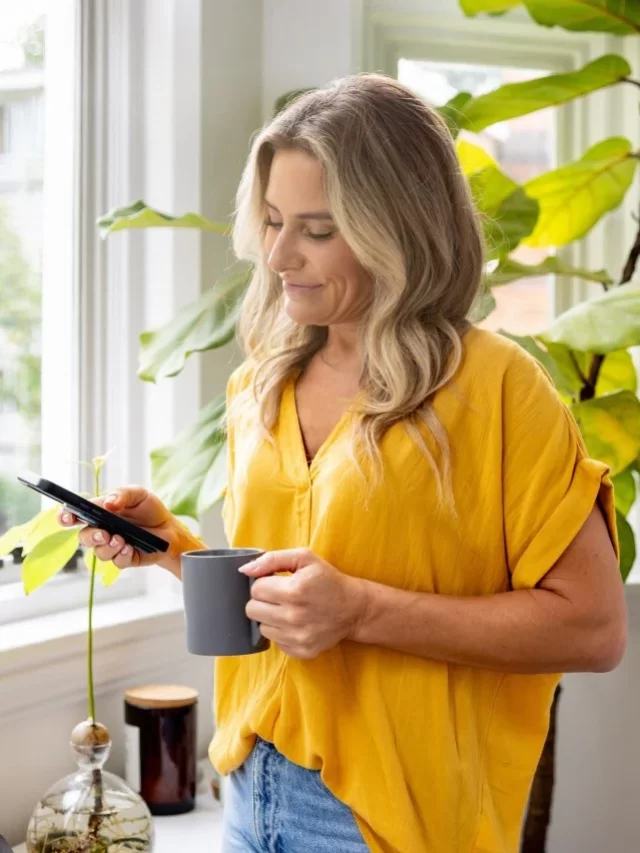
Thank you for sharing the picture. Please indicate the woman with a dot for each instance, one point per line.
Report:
(447, 546)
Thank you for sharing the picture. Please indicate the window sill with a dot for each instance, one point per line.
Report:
(131, 637)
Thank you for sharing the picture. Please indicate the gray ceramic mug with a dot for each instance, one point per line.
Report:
(215, 595)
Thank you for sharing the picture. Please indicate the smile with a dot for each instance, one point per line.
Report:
(295, 287)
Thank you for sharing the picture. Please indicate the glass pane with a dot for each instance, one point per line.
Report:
(22, 87)
(524, 147)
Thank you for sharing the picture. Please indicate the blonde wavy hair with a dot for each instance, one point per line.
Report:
(397, 194)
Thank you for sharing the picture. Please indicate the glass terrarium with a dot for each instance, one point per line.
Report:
(90, 811)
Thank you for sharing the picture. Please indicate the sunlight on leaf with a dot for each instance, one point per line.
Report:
(618, 17)
(139, 215)
(610, 322)
(106, 570)
(43, 525)
(477, 7)
(47, 558)
(574, 197)
(13, 537)
(624, 486)
(473, 158)
(519, 99)
(610, 426)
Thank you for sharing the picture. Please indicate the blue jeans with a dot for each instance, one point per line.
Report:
(274, 806)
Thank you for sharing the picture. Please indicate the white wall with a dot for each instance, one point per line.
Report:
(598, 762)
(598, 757)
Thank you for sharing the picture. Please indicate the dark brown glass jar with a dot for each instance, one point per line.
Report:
(160, 746)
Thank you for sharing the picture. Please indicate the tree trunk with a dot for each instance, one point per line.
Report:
(534, 837)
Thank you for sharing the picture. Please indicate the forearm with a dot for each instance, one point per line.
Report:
(185, 541)
(523, 631)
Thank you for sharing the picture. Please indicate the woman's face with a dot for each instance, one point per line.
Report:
(323, 283)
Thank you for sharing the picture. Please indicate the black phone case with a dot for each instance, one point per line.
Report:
(96, 515)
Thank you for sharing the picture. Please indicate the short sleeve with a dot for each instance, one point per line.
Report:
(550, 485)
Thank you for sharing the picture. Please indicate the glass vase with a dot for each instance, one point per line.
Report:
(91, 810)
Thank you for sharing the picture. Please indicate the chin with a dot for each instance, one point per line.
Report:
(304, 316)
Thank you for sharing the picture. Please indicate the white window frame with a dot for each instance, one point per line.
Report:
(514, 40)
(91, 316)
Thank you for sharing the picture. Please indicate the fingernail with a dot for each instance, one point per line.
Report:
(98, 537)
(111, 499)
(247, 567)
(66, 517)
(114, 542)
(126, 551)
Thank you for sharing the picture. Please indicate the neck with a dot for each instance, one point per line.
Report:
(342, 350)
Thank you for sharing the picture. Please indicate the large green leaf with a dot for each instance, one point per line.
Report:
(106, 570)
(619, 17)
(452, 113)
(610, 322)
(490, 187)
(492, 7)
(13, 537)
(47, 558)
(625, 490)
(43, 526)
(574, 197)
(519, 99)
(181, 470)
(627, 542)
(208, 323)
(610, 426)
(139, 215)
(514, 221)
(473, 158)
(511, 270)
(617, 373)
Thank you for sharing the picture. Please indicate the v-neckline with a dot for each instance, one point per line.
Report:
(289, 403)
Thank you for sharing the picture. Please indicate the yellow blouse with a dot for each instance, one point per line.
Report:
(431, 757)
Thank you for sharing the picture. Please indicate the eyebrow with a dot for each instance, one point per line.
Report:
(314, 214)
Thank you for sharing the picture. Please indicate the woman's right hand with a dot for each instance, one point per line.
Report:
(143, 508)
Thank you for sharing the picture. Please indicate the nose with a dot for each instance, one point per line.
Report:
(284, 254)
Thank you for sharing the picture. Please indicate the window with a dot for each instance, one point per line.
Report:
(22, 76)
(59, 284)
(523, 147)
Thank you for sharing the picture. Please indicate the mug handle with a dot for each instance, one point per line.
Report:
(256, 637)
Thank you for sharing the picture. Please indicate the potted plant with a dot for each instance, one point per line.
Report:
(91, 810)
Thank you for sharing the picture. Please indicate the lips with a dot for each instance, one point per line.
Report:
(298, 285)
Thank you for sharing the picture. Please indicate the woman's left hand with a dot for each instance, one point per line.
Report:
(308, 612)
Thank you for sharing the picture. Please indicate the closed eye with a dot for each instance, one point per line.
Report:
(324, 235)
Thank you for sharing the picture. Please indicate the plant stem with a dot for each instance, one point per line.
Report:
(588, 390)
(632, 260)
(92, 584)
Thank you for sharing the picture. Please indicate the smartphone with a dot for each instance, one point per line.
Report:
(96, 515)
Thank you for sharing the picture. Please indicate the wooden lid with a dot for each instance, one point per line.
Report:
(161, 696)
